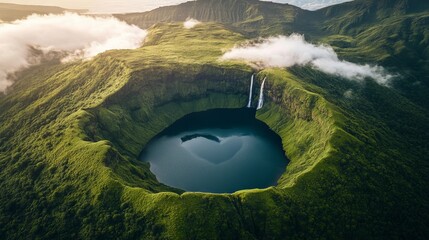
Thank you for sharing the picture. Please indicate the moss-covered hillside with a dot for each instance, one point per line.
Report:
(71, 134)
(392, 33)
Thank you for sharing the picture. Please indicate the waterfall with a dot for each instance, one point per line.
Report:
(249, 104)
(261, 95)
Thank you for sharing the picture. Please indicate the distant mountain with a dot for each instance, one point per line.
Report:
(350, 15)
(263, 17)
(247, 16)
(10, 12)
(71, 134)
(393, 33)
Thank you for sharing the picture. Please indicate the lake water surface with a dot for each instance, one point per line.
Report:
(218, 151)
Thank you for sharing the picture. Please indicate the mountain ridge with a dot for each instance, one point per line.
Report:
(10, 11)
(361, 29)
(242, 14)
(71, 134)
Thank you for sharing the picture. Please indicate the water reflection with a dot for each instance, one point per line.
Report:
(219, 151)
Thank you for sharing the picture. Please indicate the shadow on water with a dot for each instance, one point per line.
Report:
(219, 151)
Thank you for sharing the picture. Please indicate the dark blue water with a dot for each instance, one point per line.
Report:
(218, 151)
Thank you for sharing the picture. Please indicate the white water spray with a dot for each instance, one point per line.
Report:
(249, 104)
(261, 95)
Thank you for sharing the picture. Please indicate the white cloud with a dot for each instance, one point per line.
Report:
(191, 23)
(349, 94)
(288, 51)
(75, 36)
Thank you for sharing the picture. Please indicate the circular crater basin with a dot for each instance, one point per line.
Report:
(217, 151)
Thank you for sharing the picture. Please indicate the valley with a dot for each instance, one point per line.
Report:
(72, 133)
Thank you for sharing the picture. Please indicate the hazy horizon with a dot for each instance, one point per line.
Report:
(117, 6)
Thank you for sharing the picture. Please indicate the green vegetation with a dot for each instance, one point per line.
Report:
(250, 17)
(71, 134)
(392, 33)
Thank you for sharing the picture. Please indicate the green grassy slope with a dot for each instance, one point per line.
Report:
(391, 33)
(354, 16)
(71, 135)
(250, 17)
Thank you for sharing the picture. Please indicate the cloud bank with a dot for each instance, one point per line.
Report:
(288, 51)
(191, 23)
(24, 43)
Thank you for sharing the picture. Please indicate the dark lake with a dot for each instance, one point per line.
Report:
(218, 151)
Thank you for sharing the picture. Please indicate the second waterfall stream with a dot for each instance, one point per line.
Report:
(249, 104)
(261, 96)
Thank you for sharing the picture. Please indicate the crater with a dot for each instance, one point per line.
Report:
(218, 151)
(154, 99)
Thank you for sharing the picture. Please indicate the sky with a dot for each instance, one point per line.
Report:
(121, 6)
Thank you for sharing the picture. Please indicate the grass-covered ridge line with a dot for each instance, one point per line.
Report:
(160, 95)
(83, 147)
(389, 33)
(129, 123)
(246, 16)
(70, 136)
(140, 121)
(305, 121)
